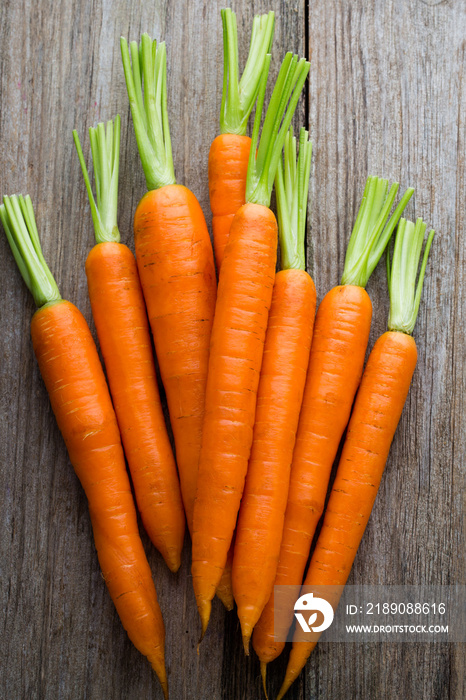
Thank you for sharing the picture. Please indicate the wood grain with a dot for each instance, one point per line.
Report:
(386, 96)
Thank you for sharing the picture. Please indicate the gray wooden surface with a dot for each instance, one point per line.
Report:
(386, 96)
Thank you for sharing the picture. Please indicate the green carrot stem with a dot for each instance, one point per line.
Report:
(372, 232)
(105, 147)
(405, 296)
(292, 187)
(146, 83)
(264, 159)
(239, 96)
(19, 223)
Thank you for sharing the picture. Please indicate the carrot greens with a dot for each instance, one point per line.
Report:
(405, 296)
(105, 147)
(19, 223)
(371, 233)
(146, 82)
(292, 187)
(262, 166)
(239, 95)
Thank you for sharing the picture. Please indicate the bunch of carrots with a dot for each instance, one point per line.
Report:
(260, 389)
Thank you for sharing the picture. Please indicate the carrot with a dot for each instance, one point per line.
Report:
(341, 333)
(175, 262)
(229, 152)
(243, 302)
(229, 156)
(75, 381)
(377, 411)
(279, 397)
(124, 336)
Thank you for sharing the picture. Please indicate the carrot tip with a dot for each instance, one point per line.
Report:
(264, 675)
(285, 687)
(161, 675)
(204, 609)
(173, 566)
(246, 629)
(226, 599)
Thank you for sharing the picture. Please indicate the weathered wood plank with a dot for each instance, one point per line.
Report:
(386, 95)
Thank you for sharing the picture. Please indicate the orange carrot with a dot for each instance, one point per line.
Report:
(75, 381)
(243, 302)
(341, 333)
(229, 153)
(279, 397)
(376, 414)
(175, 262)
(124, 336)
(228, 166)
(229, 156)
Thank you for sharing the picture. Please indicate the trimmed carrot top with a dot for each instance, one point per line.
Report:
(401, 274)
(17, 216)
(291, 188)
(147, 70)
(105, 147)
(239, 95)
(371, 234)
(264, 158)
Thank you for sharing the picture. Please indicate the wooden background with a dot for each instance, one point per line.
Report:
(386, 96)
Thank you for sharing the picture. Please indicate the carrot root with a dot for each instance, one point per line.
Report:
(204, 608)
(264, 678)
(228, 165)
(176, 267)
(123, 329)
(80, 400)
(341, 332)
(376, 413)
(161, 673)
(246, 639)
(293, 670)
(244, 297)
(283, 375)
